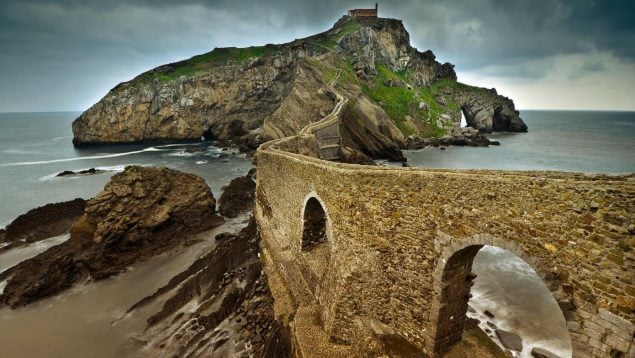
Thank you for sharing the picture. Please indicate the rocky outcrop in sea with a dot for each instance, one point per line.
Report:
(41, 223)
(246, 96)
(466, 136)
(141, 212)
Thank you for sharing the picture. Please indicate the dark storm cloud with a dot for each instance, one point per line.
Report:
(77, 49)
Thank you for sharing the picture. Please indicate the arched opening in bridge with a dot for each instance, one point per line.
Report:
(314, 230)
(315, 247)
(490, 291)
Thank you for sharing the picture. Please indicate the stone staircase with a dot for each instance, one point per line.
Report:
(330, 152)
(329, 141)
(327, 130)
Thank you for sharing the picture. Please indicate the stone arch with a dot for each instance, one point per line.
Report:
(465, 113)
(453, 279)
(313, 205)
(315, 238)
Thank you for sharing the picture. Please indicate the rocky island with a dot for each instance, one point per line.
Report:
(247, 96)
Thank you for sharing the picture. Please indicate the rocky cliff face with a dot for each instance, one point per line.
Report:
(250, 95)
(230, 100)
(386, 42)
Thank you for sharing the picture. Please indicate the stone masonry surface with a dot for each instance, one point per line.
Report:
(391, 231)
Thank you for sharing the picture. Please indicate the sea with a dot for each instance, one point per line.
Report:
(35, 147)
(573, 141)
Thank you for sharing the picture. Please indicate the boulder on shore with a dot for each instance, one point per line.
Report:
(237, 197)
(510, 340)
(142, 212)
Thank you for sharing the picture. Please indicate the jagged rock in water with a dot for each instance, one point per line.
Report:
(237, 197)
(466, 136)
(251, 95)
(42, 223)
(219, 306)
(90, 171)
(510, 340)
(488, 111)
(141, 212)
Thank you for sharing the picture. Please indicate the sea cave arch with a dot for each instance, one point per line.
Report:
(316, 242)
(454, 280)
(467, 118)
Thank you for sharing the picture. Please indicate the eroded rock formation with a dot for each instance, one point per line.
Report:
(487, 111)
(250, 95)
(142, 212)
(234, 307)
(361, 138)
(42, 223)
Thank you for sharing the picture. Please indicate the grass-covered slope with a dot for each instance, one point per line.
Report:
(202, 64)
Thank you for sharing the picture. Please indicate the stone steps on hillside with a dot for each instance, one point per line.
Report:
(330, 152)
(324, 141)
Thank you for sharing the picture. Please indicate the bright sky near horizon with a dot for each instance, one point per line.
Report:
(552, 54)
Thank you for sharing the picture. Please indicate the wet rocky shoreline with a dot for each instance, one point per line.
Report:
(234, 314)
(509, 341)
(457, 136)
(41, 223)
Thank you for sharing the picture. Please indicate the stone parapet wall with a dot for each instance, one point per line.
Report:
(391, 230)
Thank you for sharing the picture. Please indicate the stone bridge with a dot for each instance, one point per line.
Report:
(356, 253)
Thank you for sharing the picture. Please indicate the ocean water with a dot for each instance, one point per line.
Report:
(34, 147)
(521, 303)
(576, 141)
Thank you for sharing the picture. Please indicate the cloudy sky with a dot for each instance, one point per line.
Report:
(60, 55)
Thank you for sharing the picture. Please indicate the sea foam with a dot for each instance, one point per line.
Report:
(113, 155)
